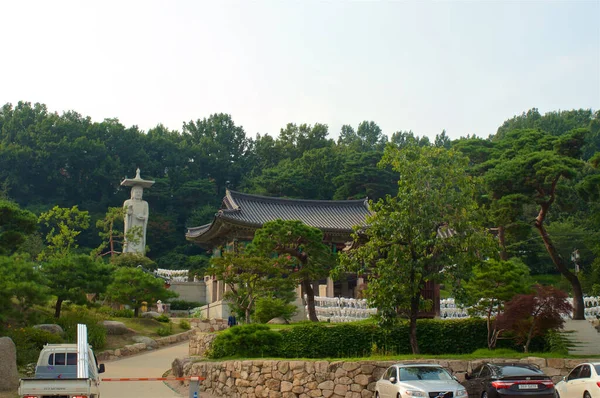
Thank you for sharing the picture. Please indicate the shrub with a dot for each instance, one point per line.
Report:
(110, 312)
(185, 325)
(96, 332)
(163, 318)
(182, 305)
(315, 340)
(557, 342)
(266, 309)
(245, 340)
(29, 341)
(165, 330)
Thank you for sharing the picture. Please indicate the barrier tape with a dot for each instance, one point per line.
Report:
(194, 378)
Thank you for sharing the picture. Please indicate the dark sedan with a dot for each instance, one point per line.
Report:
(508, 380)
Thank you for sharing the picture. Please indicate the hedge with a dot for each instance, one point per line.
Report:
(314, 340)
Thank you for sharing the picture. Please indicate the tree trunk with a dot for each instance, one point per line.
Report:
(57, 307)
(414, 312)
(136, 312)
(247, 315)
(502, 240)
(310, 300)
(578, 306)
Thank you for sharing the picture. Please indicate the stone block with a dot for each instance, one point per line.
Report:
(557, 363)
(286, 386)
(8, 365)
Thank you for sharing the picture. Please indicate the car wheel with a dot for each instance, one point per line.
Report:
(586, 395)
(484, 395)
(556, 394)
(376, 394)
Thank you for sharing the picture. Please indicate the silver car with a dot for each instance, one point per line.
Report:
(418, 380)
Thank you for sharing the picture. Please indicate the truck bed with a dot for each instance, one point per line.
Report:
(55, 387)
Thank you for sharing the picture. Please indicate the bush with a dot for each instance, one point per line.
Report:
(29, 341)
(315, 340)
(182, 305)
(245, 340)
(163, 318)
(184, 325)
(109, 312)
(266, 309)
(96, 332)
(165, 330)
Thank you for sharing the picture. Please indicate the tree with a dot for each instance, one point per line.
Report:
(71, 277)
(530, 315)
(108, 233)
(532, 163)
(133, 287)
(429, 229)
(249, 278)
(15, 225)
(64, 226)
(493, 284)
(21, 280)
(301, 251)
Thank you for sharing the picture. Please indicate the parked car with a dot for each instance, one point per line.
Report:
(418, 380)
(508, 380)
(583, 381)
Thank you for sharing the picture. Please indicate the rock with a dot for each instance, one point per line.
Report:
(145, 340)
(115, 328)
(150, 314)
(278, 321)
(8, 366)
(50, 327)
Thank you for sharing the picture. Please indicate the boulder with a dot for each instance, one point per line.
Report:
(115, 328)
(177, 366)
(8, 365)
(145, 340)
(278, 321)
(50, 327)
(150, 314)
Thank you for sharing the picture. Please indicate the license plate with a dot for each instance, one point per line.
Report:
(528, 386)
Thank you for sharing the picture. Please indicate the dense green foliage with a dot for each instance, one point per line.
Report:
(245, 340)
(29, 341)
(182, 305)
(311, 340)
(96, 331)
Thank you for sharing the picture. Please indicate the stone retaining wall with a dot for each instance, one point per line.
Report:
(133, 349)
(305, 379)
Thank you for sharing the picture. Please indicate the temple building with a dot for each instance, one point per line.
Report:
(242, 214)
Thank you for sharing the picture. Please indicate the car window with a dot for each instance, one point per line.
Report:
(57, 359)
(424, 373)
(394, 373)
(71, 358)
(574, 373)
(597, 367)
(485, 372)
(475, 372)
(515, 370)
(585, 373)
(388, 373)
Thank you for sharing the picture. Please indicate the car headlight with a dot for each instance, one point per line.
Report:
(415, 393)
(461, 393)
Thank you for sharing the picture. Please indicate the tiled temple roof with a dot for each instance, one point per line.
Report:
(254, 210)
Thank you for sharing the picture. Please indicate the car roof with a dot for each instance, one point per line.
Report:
(408, 365)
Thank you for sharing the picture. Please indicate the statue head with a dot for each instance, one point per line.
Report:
(136, 192)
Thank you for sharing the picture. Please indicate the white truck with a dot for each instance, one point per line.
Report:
(65, 371)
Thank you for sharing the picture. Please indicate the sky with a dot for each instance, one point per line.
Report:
(462, 66)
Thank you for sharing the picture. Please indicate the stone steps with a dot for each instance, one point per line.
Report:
(584, 337)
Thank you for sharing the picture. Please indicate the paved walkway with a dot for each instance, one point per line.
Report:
(584, 336)
(150, 364)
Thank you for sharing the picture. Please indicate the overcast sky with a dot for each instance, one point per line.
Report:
(463, 66)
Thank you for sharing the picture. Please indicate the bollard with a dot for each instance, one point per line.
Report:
(194, 387)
